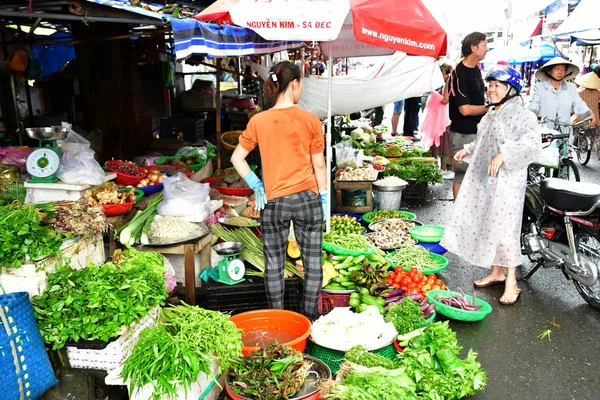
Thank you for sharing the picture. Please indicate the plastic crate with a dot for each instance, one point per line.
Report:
(335, 358)
(248, 296)
(328, 301)
(415, 191)
(192, 128)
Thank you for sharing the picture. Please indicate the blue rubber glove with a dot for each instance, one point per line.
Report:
(259, 190)
(324, 203)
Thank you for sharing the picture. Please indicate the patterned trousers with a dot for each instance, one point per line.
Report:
(305, 210)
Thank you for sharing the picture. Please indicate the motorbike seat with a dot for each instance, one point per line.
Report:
(569, 196)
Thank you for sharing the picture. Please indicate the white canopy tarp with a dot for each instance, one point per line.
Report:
(395, 78)
(585, 17)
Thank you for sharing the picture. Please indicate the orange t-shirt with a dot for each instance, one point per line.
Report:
(286, 138)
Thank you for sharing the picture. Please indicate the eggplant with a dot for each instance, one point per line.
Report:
(396, 292)
(416, 297)
(392, 299)
(424, 307)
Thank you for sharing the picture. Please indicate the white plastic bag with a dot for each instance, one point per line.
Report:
(80, 168)
(74, 141)
(347, 156)
(549, 156)
(184, 198)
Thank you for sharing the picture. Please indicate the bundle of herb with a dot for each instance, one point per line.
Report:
(275, 372)
(373, 384)
(75, 217)
(361, 356)
(186, 342)
(98, 302)
(404, 316)
(22, 238)
(420, 171)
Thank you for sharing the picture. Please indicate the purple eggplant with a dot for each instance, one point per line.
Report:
(393, 299)
(396, 292)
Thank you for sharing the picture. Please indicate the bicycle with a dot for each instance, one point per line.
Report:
(582, 143)
(566, 167)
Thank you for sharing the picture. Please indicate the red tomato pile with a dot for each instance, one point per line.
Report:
(413, 281)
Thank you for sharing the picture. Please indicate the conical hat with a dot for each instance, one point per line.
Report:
(572, 69)
(588, 81)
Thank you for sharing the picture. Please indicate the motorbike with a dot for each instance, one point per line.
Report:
(561, 229)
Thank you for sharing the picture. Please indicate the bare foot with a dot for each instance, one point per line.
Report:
(510, 296)
(490, 280)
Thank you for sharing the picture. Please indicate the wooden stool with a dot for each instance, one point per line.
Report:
(353, 185)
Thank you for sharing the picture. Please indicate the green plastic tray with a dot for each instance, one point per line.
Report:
(340, 251)
(163, 161)
(427, 233)
(335, 358)
(401, 214)
(457, 313)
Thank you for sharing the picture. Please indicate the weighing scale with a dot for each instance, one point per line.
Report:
(231, 269)
(43, 163)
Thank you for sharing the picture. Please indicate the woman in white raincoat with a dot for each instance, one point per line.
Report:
(486, 224)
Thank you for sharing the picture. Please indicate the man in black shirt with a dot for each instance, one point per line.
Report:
(467, 99)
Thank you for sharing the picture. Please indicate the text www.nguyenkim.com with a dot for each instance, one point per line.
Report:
(394, 39)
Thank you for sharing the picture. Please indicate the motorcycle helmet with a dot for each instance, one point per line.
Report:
(508, 75)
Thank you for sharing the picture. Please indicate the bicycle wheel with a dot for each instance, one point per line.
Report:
(568, 170)
(583, 149)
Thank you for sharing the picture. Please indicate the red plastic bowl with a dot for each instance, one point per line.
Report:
(314, 396)
(226, 190)
(169, 169)
(397, 346)
(111, 210)
(274, 320)
(125, 179)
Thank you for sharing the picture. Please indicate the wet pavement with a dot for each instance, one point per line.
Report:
(519, 365)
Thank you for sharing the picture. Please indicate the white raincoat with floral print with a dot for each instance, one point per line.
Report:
(485, 226)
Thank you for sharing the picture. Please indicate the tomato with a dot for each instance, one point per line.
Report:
(429, 281)
(389, 281)
(431, 276)
(417, 278)
(425, 287)
(397, 279)
(412, 290)
(406, 280)
(436, 287)
(439, 283)
(398, 269)
(413, 271)
(392, 274)
(443, 286)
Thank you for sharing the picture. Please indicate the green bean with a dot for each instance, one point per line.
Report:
(410, 255)
(350, 242)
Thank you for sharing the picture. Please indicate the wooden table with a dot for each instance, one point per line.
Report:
(188, 250)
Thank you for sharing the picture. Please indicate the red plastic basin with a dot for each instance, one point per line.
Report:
(314, 396)
(125, 179)
(270, 320)
(111, 210)
(226, 190)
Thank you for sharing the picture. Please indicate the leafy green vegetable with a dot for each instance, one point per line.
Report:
(275, 372)
(23, 238)
(420, 171)
(432, 361)
(375, 149)
(98, 301)
(186, 342)
(375, 384)
(416, 152)
(404, 316)
(361, 356)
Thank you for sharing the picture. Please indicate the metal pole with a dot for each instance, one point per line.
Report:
(218, 121)
(329, 127)
(240, 72)
(66, 17)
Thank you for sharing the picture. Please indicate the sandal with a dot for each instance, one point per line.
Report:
(486, 283)
(510, 303)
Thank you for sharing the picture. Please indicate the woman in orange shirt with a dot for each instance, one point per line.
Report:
(291, 144)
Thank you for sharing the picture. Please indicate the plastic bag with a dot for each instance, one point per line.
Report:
(196, 154)
(170, 278)
(16, 156)
(74, 141)
(184, 198)
(79, 167)
(347, 156)
(549, 156)
(436, 119)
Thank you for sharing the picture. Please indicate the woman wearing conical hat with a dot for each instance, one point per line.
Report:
(555, 98)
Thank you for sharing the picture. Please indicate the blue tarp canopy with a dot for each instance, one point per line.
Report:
(53, 57)
(196, 37)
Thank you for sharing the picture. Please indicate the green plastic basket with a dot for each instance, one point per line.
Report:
(335, 358)
(401, 214)
(440, 260)
(340, 251)
(457, 313)
(138, 193)
(163, 161)
(427, 233)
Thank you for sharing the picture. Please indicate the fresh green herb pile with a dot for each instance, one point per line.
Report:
(94, 303)
(375, 384)
(275, 372)
(23, 238)
(361, 356)
(416, 152)
(404, 316)
(420, 171)
(186, 342)
(432, 360)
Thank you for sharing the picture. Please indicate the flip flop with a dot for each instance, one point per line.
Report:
(488, 283)
(510, 303)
